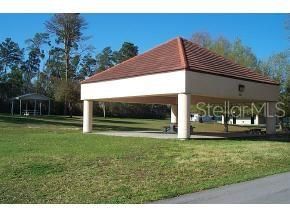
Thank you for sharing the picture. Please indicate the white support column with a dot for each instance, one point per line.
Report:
(174, 114)
(183, 116)
(271, 118)
(257, 119)
(87, 116)
(223, 119)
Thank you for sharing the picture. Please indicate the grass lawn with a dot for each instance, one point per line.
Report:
(49, 160)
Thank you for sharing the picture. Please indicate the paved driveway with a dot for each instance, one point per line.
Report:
(272, 189)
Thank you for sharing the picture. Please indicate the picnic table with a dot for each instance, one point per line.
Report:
(257, 131)
(286, 129)
(31, 112)
(173, 129)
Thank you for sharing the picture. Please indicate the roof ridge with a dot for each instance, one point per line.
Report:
(182, 52)
(130, 59)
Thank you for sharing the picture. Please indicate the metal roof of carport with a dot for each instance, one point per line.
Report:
(31, 96)
(178, 54)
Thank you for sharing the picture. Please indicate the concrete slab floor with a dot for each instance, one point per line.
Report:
(161, 135)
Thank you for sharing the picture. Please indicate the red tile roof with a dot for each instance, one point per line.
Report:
(178, 54)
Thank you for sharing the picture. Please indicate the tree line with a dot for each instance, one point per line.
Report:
(54, 62)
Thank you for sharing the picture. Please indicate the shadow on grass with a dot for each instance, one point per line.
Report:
(118, 128)
(244, 136)
(277, 138)
(108, 120)
(35, 120)
(69, 122)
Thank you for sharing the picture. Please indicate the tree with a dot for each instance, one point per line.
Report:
(31, 69)
(277, 67)
(11, 85)
(75, 65)
(37, 41)
(67, 28)
(15, 81)
(11, 59)
(221, 46)
(10, 55)
(202, 38)
(69, 90)
(35, 56)
(243, 55)
(88, 66)
(45, 84)
(127, 51)
(235, 51)
(55, 66)
(104, 59)
(68, 31)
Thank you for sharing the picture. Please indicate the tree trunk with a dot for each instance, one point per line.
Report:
(67, 57)
(70, 109)
(103, 106)
(226, 126)
(104, 110)
(65, 106)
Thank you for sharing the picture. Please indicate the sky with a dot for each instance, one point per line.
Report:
(264, 33)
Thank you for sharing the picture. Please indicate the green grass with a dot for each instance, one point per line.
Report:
(49, 160)
(106, 124)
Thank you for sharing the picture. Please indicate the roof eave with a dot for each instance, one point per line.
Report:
(235, 77)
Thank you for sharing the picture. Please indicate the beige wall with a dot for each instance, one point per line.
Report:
(145, 100)
(155, 84)
(223, 87)
(163, 88)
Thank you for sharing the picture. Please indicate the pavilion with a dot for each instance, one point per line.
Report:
(179, 73)
(37, 100)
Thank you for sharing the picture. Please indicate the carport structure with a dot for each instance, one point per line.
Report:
(179, 73)
(34, 97)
